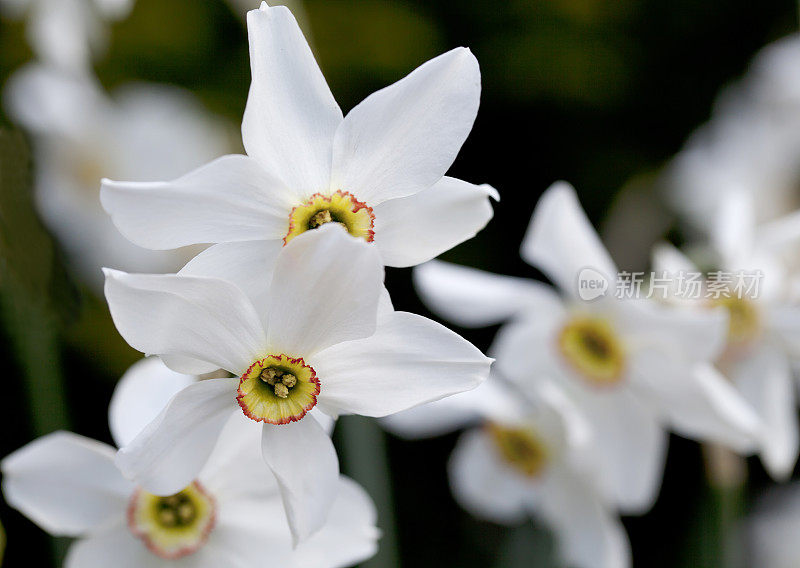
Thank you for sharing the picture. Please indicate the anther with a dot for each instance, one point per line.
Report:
(168, 518)
(320, 218)
(186, 512)
(281, 391)
(289, 380)
(269, 376)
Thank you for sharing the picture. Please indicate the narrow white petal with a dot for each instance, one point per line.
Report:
(472, 298)
(302, 457)
(413, 229)
(248, 264)
(698, 401)
(588, 533)
(65, 483)
(188, 365)
(140, 395)
(631, 445)
(402, 139)
(326, 290)
(291, 115)
(201, 318)
(561, 242)
(229, 199)
(410, 360)
(765, 380)
(169, 453)
(349, 537)
(484, 485)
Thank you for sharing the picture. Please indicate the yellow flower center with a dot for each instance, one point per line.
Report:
(278, 389)
(744, 319)
(591, 347)
(521, 448)
(340, 207)
(175, 526)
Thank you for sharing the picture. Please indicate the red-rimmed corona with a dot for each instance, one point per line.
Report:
(278, 389)
(340, 207)
(173, 526)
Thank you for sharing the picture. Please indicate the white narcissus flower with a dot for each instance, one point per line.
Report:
(320, 337)
(751, 143)
(80, 135)
(67, 33)
(526, 456)
(763, 339)
(378, 171)
(632, 366)
(230, 515)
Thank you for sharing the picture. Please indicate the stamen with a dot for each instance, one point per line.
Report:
(320, 218)
(278, 389)
(281, 390)
(590, 346)
(339, 207)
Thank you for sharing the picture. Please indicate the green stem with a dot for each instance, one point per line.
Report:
(365, 460)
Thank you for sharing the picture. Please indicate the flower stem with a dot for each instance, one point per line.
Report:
(365, 460)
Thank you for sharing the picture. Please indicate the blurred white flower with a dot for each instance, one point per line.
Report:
(229, 516)
(67, 33)
(80, 135)
(320, 337)
(377, 172)
(632, 366)
(763, 339)
(751, 143)
(526, 455)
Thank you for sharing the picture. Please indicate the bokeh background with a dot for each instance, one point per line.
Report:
(601, 93)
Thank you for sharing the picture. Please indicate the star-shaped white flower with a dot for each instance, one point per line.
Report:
(526, 455)
(230, 515)
(321, 337)
(763, 339)
(80, 134)
(633, 367)
(378, 171)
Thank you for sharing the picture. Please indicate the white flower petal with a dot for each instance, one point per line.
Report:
(733, 227)
(114, 547)
(326, 290)
(561, 242)
(302, 457)
(698, 401)
(142, 392)
(235, 470)
(450, 413)
(169, 453)
(483, 485)
(65, 483)
(291, 115)
(525, 350)
(472, 298)
(187, 365)
(402, 139)
(201, 318)
(348, 538)
(248, 264)
(631, 445)
(765, 380)
(229, 199)
(588, 533)
(413, 229)
(686, 334)
(410, 360)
